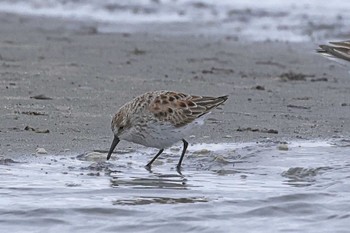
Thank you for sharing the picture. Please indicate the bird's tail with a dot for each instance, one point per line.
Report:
(211, 102)
(339, 50)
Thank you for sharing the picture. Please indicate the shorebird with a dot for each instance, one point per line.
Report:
(339, 51)
(159, 119)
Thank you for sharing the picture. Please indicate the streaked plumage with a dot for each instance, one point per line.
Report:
(161, 118)
(336, 50)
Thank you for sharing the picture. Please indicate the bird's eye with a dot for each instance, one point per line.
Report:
(121, 127)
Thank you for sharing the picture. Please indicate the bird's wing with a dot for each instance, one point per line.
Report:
(181, 109)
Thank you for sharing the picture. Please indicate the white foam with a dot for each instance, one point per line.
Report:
(87, 12)
(209, 12)
(229, 147)
(219, 147)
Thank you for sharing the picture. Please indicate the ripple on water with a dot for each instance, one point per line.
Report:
(222, 187)
(299, 176)
(160, 200)
(154, 182)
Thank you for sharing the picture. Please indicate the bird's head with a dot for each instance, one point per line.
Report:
(120, 126)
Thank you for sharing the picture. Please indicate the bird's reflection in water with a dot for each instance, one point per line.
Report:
(152, 181)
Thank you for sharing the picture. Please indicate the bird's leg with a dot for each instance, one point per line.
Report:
(155, 157)
(178, 167)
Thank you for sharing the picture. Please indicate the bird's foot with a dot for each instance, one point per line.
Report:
(148, 168)
(178, 169)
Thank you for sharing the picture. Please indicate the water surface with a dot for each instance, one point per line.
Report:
(253, 187)
(286, 20)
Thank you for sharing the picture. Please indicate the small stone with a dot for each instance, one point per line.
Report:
(227, 136)
(40, 151)
(260, 88)
(174, 149)
(283, 147)
(95, 156)
(201, 152)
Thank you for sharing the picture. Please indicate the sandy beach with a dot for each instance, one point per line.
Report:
(61, 82)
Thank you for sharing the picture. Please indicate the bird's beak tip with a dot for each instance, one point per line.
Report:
(114, 144)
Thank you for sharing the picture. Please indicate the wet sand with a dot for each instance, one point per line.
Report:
(278, 91)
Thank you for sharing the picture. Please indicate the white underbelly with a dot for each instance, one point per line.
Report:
(160, 135)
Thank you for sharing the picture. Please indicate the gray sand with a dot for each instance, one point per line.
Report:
(279, 91)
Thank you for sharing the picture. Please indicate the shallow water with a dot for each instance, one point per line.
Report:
(223, 188)
(286, 20)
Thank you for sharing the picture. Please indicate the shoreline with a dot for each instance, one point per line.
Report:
(279, 91)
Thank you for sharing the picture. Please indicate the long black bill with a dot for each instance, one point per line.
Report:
(114, 144)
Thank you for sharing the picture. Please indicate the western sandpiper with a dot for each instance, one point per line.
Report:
(161, 118)
(338, 51)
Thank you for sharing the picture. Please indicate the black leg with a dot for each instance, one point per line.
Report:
(178, 167)
(155, 157)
